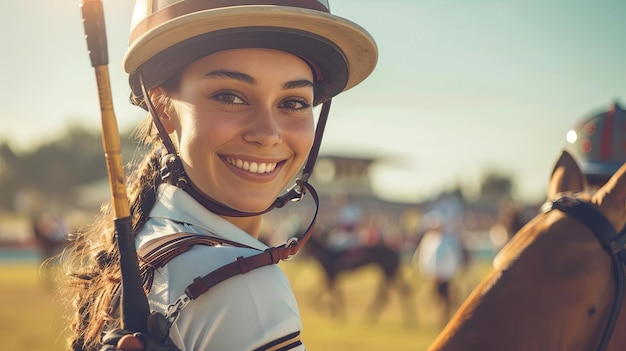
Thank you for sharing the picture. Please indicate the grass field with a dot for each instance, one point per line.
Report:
(30, 320)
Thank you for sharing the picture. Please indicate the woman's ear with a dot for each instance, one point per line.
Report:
(163, 108)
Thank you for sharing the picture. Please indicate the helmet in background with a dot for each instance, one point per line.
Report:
(599, 144)
(166, 35)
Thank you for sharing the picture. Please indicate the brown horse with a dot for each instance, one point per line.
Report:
(553, 286)
(335, 262)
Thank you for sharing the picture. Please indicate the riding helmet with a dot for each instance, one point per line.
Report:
(599, 144)
(168, 34)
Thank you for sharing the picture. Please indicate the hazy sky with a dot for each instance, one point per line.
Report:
(461, 86)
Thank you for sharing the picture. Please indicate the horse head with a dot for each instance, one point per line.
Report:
(552, 286)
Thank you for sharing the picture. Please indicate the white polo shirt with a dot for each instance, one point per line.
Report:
(251, 311)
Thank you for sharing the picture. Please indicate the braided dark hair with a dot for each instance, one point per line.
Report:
(91, 263)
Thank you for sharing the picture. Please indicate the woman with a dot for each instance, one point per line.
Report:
(230, 90)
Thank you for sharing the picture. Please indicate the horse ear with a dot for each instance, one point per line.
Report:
(618, 179)
(566, 176)
(613, 194)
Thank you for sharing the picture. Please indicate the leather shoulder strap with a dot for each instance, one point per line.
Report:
(156, 253)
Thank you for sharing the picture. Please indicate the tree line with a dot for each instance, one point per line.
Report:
(54, 169)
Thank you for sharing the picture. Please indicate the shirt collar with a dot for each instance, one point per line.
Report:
(175, 204)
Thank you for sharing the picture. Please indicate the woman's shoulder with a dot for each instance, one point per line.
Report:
(202, 261)
(242, 300)
(156, 228)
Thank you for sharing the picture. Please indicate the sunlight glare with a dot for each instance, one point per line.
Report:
(571, 136)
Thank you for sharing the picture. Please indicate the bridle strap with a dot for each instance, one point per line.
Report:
(611, 241)
(315, 149)
(167, 142)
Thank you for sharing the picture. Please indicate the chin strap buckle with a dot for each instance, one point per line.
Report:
(172, 170)
(167, 164)
(295, 194)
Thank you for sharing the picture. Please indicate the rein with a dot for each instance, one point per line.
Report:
(612, 242)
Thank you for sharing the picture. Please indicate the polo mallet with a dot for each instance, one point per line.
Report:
(134, 303)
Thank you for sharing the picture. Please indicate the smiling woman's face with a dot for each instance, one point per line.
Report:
(243, 123)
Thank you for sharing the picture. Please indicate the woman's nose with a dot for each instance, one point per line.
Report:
(264, 129)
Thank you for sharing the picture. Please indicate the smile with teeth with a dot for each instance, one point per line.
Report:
(252, 167)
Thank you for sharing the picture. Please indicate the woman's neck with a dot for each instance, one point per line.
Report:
(250, 225)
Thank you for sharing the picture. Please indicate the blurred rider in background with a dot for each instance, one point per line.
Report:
(598, 143)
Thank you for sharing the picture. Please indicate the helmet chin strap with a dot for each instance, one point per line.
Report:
(172, 169)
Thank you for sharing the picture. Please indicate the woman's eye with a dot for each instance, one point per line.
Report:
(294, 104)
(228, 98)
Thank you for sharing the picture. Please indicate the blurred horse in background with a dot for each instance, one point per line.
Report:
(337, 261)
(557, 285)
(50, 232)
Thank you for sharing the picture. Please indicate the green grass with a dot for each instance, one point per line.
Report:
(355, 332)
(30, 319)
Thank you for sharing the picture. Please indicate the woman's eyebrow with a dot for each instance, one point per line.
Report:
(221, 73)
(245, 78)
(301, 83)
